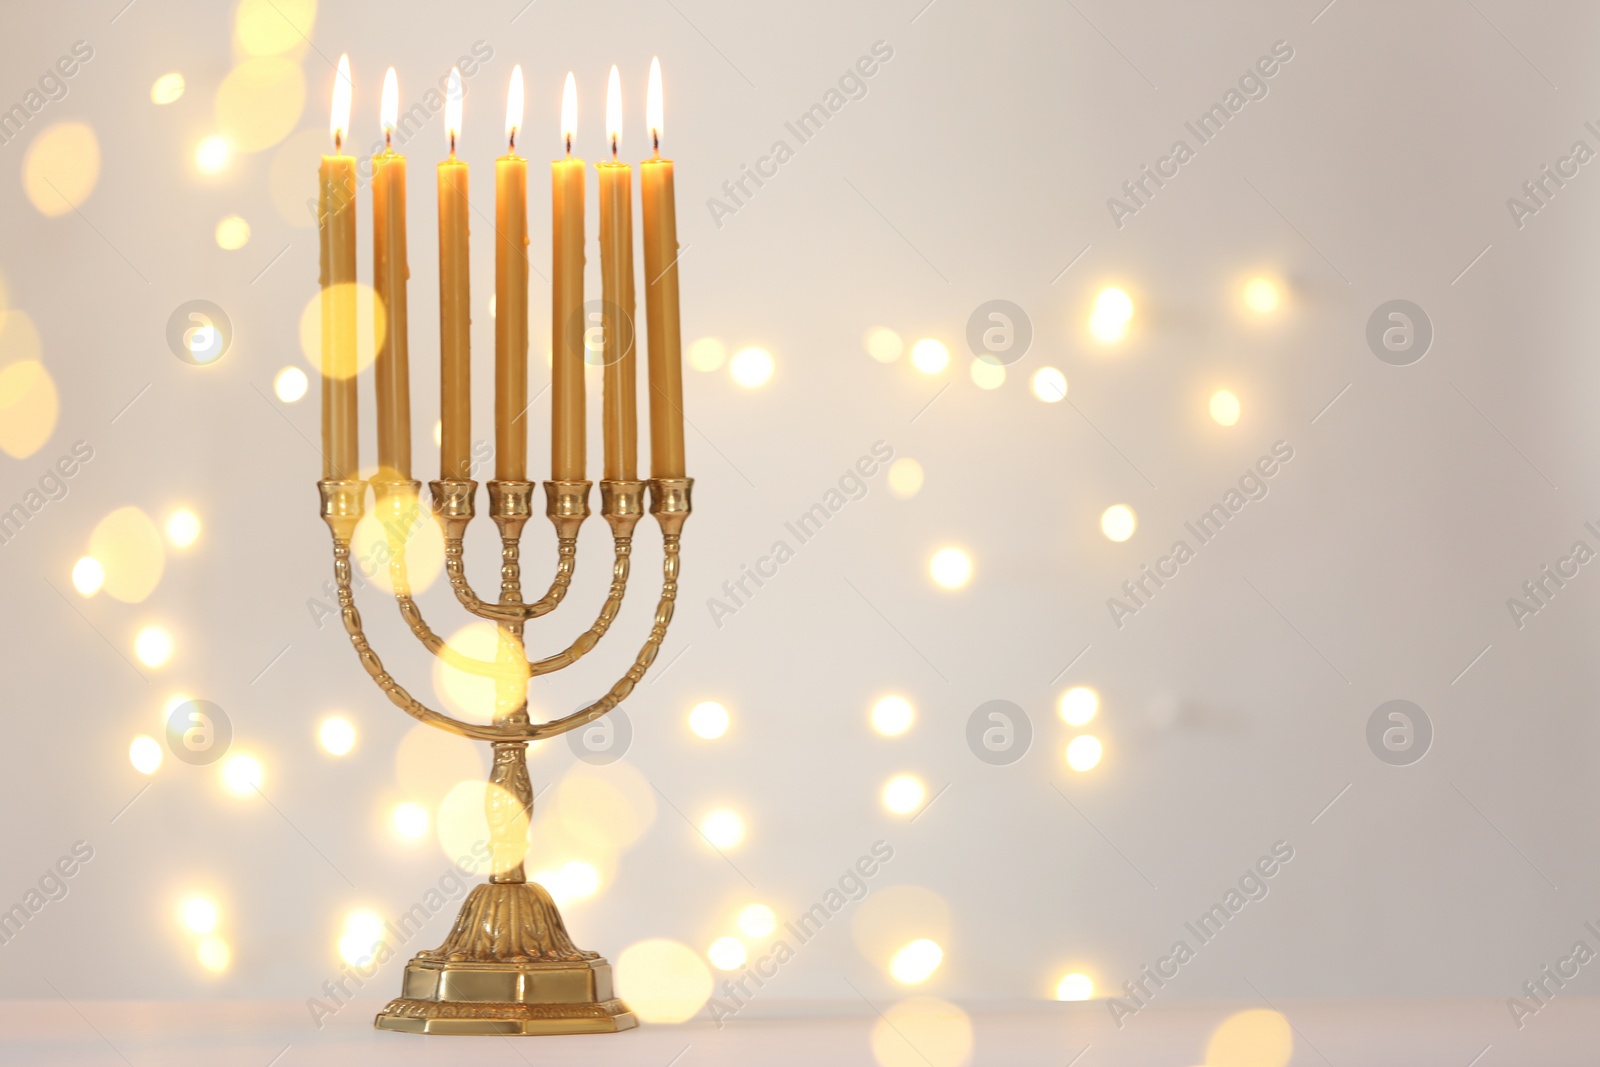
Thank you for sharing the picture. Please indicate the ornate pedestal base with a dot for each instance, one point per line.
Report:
(508, 967)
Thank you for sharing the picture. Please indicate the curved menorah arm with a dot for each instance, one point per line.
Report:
(341, 509)
(510, 506)
(670, 504)
(621, 505)
(397, 507)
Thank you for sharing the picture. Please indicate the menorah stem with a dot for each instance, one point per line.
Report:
(510, 809)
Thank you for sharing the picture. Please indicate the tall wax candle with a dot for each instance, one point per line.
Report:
(455, 303)
(337, 229)
(568, 425)
(661, 298)
(390, 272)
(619, 401)
(511, 299)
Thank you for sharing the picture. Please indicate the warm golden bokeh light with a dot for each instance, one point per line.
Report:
(286, 177)
(19, 336)
(167, 89)
(242, 775)
(29, 405)
(429, 762)
(1078, 705)
(987, 375)
(1224, 408)
(708, 720)
(1048, 385)
(663, 981)
(950, 568)
(337, 735)
(88, 576)
(400, 527)
(1261, 295)
(892, 715)
(291, 384)
(473, 696)
(723, 828)
(608, 807)
(922, 1032)
(1118, 522)
(132, 556)
(1083, 752)
(214, 954)
(916, 962)
(233, 233)
(259, 103)
(61, 167)
(1255, 1038)
(727, 954)
(213, 154)
(893, 916)
(884, 345)
(183, 528)
(273, 27)
(153, 646)
(145, 754)
(198, 914)
(752, 367)
(707, 354)
(930, 356)
(1075, 986)
(757, 920)
(1113, 311)
(463, 824)
(358, 941)
(371, 323)
(571, 883)
(905, 478)
(410, 820)
(904, 794)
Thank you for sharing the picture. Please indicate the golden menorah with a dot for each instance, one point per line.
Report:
(508, 965)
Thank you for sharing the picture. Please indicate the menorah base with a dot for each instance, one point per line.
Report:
(507, 968)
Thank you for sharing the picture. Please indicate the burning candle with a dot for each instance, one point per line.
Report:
(619, 402)
(390, 273)
(568, 427)
(511, 298)
(455, 302)
(661, 297)
(337, 225)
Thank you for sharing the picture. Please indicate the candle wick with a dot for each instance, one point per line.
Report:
(452, 144)
(613, 148)
(388, 138)
(513, 138)
(569, 145)
(338, 142)
(655, 142)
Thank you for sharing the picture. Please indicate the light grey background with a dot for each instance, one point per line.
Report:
(978, 166)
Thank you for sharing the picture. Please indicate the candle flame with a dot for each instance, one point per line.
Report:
(569, 111)
(614, 110)
(514, 105)
(452, 107)
(653, 104)
(340, 123)
(390, 110)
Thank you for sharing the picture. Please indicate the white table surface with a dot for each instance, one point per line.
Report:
(1358, 1033)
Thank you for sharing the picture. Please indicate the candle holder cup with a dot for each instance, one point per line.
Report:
(508, 966)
